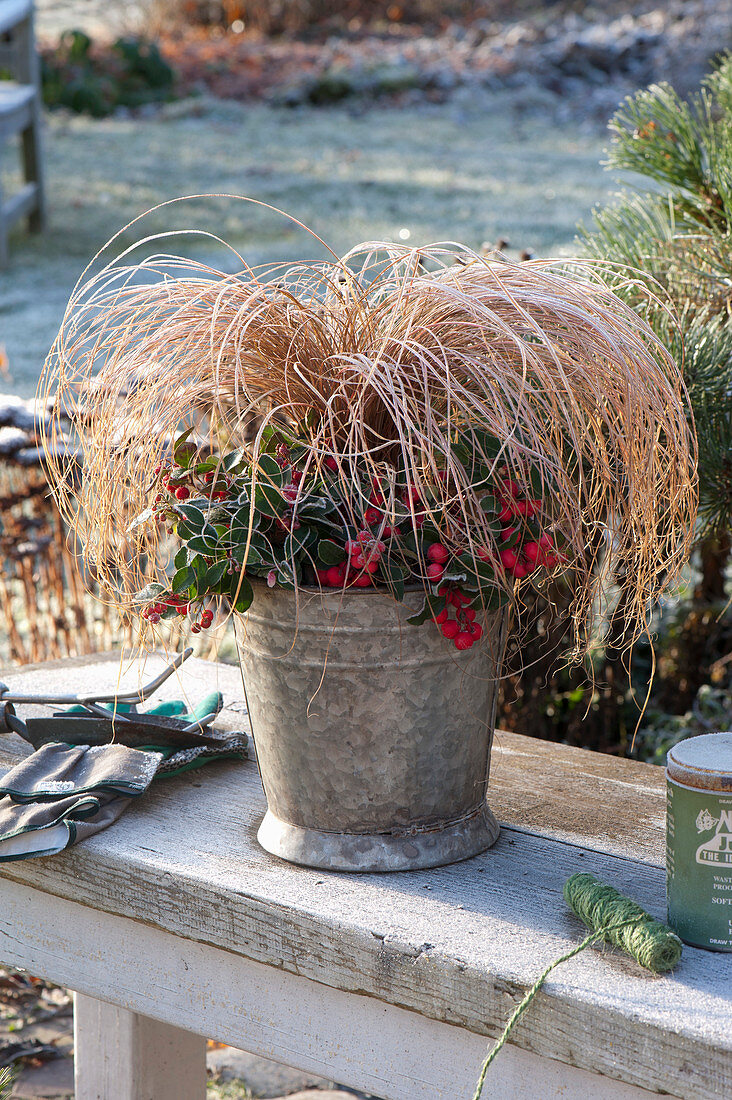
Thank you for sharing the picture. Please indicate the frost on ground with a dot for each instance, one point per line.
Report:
(475, 169)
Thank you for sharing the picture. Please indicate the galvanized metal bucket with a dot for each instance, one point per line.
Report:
(373, 737)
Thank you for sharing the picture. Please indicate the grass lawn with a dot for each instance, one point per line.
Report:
(465, 170)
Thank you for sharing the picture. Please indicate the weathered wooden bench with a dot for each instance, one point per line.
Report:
(174, 925)
(20, 113)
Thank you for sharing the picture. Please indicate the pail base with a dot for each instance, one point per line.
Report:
(379, 851)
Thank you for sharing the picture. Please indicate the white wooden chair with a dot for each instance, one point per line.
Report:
(20, 114)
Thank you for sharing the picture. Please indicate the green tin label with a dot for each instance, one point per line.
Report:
(699, 865)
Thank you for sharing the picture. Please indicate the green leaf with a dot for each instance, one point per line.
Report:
(490, 504)
(183, 451)
(261, 550)
(214, 576)
(205, 543)
(241, 601)
(206, 467)
(315, 508)
(453, 577)
(286, 576)
(241, 518)
(269, 501)
(269, 470)
(192, 513)
(330, 553)
(297, 542)
(184, 579)
(432, 606)
(395, 576)
(149, 592)
(234, 461)
(143, 518)
(218, 514)
(181, 558)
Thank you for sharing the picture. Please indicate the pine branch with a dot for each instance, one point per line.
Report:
(7, 1080)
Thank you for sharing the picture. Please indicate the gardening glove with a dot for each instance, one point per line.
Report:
(63, 793)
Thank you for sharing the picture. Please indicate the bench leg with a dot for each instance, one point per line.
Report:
(120, 1055)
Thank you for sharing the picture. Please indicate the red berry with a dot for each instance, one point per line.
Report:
(154, 617)
(207, 618)
(296, 477)
(532, 551)
(196, 628)
(508, 533)
(322, 575)
(363, 581)
(527, 507)
(331, 463)
(441, 617)
(183, 493)
(358, 561)
(463, 640)
(468, 614)
(335, 576)
(438, 553)
(512, 487)
(506, 513)
(290, 492)
(509, 559)
(372, 566)
(451, 628)
(520, 570)
(476, 630)
(550, 560)
(435, 571)
(371, 516)
(546, 542)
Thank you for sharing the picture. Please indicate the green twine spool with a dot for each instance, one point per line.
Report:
(612, 917)
(622, 922)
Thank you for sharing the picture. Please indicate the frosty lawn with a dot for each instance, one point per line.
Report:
(467, 170)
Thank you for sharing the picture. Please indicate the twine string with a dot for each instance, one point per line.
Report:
(613, 917)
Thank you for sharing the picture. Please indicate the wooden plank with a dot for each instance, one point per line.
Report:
(603, 802)
(121, 1055)
(458, 944)
(352, 1039)
(606, 803)
(22, 202)
(14, 12)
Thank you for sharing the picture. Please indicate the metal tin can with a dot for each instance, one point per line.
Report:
(699, 840)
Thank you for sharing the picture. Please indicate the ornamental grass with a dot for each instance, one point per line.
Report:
(436, 368)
